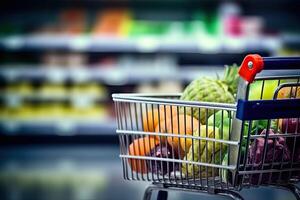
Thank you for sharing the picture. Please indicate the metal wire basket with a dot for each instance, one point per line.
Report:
(250, 143)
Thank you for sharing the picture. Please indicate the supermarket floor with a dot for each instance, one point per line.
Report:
(81, 173)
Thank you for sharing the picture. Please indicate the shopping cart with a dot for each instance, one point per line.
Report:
(250, 143)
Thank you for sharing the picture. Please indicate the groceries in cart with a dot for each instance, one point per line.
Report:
(185, 138)
(183, 120)
(220, 134)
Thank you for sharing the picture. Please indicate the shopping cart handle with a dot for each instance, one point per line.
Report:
(254, 63)
(268, 109)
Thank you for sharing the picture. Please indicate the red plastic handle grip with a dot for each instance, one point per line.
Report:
(251, 65)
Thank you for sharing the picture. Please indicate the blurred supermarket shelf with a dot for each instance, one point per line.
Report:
(291, 41)
(88, 43)
(58, 127)
(138, 3)
(109, 76)
(75, 98)
(52, 139)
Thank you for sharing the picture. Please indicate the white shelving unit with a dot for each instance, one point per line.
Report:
(110, 76)
(88, 43)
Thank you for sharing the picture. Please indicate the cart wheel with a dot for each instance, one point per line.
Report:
(229, 193)
(295, 190)
(148, 193)
(162, 195)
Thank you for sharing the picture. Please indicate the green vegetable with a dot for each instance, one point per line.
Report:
(192, 170)
(224, 172)
(204, 151)
(218, 127)
(221, 120)
(268, 87)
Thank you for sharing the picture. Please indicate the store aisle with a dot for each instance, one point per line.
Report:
(79, 173)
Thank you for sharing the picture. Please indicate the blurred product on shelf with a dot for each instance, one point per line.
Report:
(53, 112)
(21, 88)
(290, 52)
(54, 91)
(106, 62)
(73, 21)
(162, 87)
(231, 19)
(291, 44)
(124, 30)
(56, 105)
(252, 26)
(149, 28)
(52, 59)
(68, 21)
(89, 89)
(112, 22)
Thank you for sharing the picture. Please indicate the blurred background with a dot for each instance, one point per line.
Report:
(60, 61)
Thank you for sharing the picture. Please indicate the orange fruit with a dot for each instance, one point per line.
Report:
(151, 117)
(141, 147)
(179, 124)
(288, 92)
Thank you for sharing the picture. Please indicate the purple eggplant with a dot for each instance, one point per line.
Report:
(277, 151)
(163, 167)
(290, 125)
